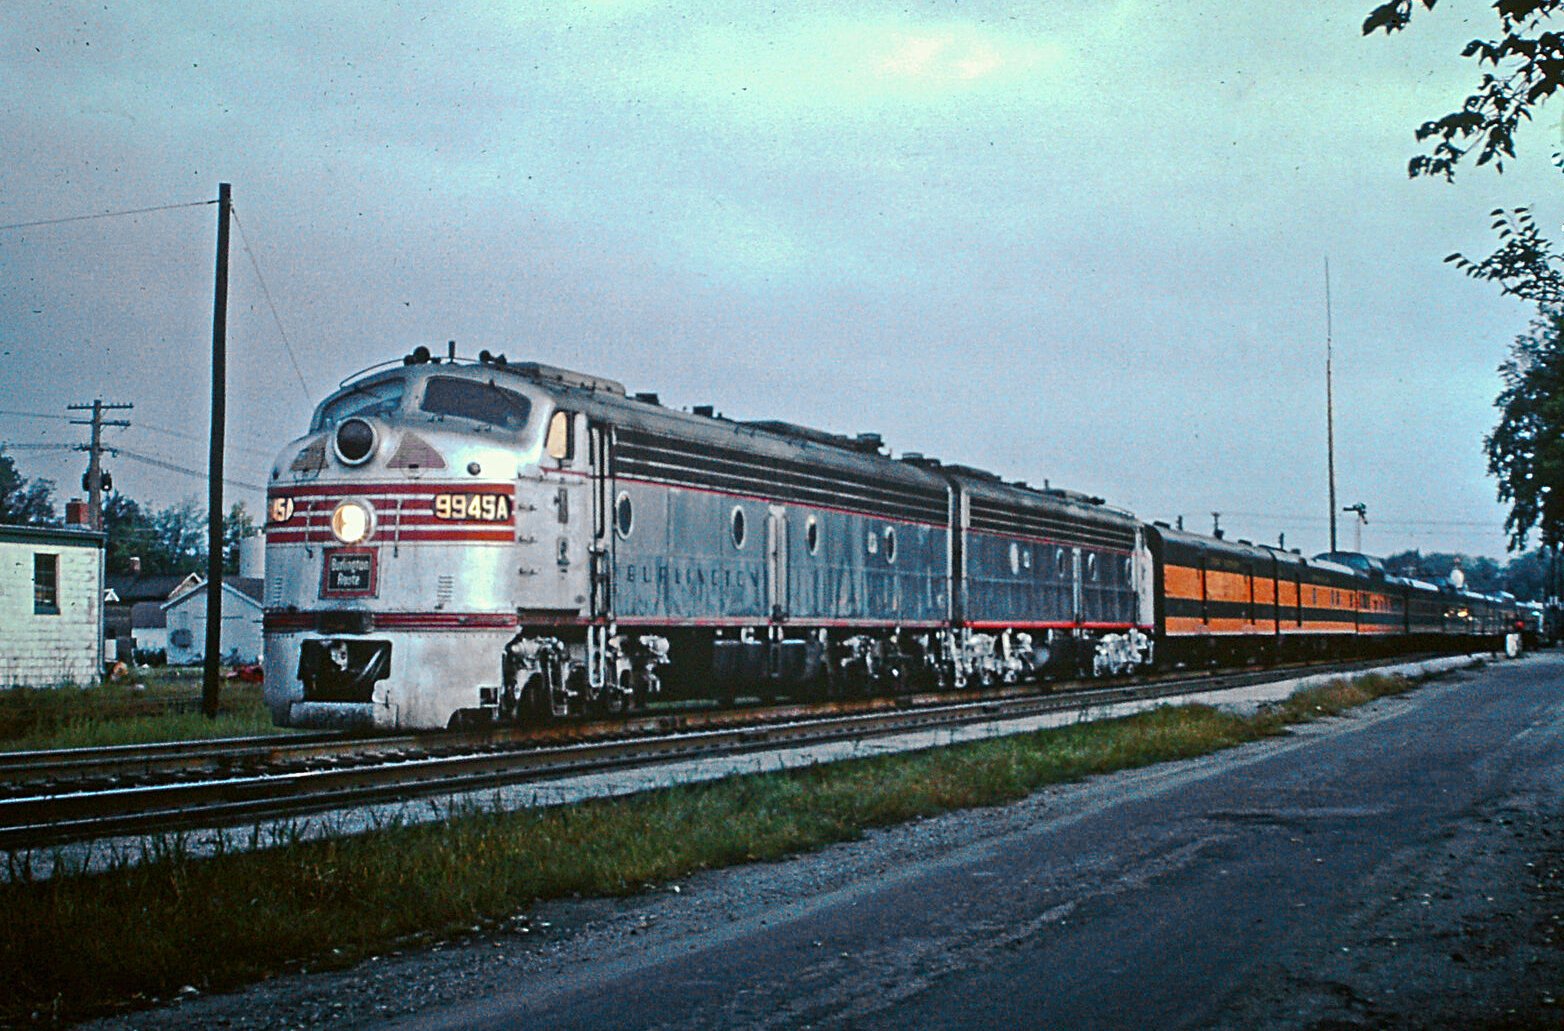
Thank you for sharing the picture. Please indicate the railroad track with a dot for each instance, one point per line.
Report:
(85, 794)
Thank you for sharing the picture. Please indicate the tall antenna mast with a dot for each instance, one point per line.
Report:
(1330, 412)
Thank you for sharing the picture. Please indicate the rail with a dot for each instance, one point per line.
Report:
(347, 772)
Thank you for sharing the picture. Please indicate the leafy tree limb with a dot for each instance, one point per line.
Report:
(24, 502)
(1526, 450)
(1526, 67)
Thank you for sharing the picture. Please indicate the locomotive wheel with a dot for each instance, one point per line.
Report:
(616, 701)
(534, 708)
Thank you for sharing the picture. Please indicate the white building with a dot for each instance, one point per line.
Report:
(185, 617)
(51, 606)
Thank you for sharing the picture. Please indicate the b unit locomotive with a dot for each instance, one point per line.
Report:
(461, 541)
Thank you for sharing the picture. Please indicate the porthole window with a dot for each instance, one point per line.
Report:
(812, 536)
(1015, 558)
(890, 544)
(1091, 567)
(624, 514)
(872, 542)
(1026, 558)
(1125, 568)
(738, 526)
(1061, 564)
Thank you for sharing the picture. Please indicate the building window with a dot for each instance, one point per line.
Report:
(46, 585)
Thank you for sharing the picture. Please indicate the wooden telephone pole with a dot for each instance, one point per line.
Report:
(214, 485)
(92, 483)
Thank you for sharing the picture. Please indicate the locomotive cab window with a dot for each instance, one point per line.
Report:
(477, 400)
(381, 397)
(890, 544)
(737, 527)
(561, 443)
(812, 535)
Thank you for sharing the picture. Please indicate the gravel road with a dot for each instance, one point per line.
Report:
(1402, 866)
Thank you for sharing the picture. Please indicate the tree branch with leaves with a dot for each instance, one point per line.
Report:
(1520, 70)
(1526, 450)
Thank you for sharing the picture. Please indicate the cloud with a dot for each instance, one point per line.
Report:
(842, 67)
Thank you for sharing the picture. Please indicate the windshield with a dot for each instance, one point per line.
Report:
(476, 400)
(380, 397)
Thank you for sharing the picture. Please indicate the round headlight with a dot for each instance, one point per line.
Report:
(352, 522)
(355, 441)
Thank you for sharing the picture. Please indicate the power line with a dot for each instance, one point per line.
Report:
(1294, 518)
(105, 214)
(266, 292)
(247, 448)
(171, 467)
(35, 415)
(259, 452)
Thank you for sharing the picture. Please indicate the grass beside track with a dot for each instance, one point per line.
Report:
(76, 944)
(151, 705)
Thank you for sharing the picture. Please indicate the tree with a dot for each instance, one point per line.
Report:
(171, 540)
(129, 530)
(1524, 67)
(1526, 449)
(22, 501)
(236, 527)
(1529, 575)
(1527, 68)
(179, 538)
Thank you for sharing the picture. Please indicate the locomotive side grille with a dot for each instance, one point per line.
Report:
(986, 515)
(686, 464)
(311, 460)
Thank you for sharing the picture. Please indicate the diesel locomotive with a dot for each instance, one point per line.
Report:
(460, 541)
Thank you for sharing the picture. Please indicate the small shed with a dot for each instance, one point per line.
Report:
(185, 616)
(51, 606)
(133, 618)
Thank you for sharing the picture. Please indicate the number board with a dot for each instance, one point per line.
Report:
(473, 508)
(348, 573)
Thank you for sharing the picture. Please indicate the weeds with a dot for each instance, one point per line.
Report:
(163, 706)
(75, 943)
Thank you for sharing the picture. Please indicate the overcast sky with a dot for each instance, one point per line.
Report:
(1080, 241)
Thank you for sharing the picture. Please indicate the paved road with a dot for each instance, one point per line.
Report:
(1366, 870)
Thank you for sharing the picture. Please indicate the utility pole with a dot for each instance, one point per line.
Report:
(214, 485)
(1330, 413)
(92, 483)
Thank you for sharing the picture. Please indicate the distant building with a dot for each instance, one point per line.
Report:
(133, 610)
(185, 614)
(51, 606)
